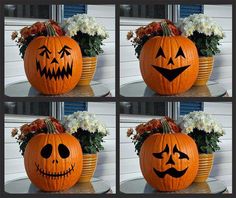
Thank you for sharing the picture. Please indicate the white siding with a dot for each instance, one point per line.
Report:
(106, 168)
(14, 165)
(222, 169)
(222, 72)
(104, 14)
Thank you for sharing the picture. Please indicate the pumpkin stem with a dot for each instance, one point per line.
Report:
(166, 30)
(50, 29)
(50, 126)
(165, 126)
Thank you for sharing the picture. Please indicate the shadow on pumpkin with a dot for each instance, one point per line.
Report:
(204, 91)
(84, 91)
(83, 188)
(201, 187)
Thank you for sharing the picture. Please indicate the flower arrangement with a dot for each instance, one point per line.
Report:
(27, 131)
(204, 32)
(87, 32)
(143, 131)
(87, 129)
(204, 129)
(27, 34)
(141, 35)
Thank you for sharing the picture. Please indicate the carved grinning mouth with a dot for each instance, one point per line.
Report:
(66, 71)
(54, 174)
(171, 171)
(170, 74)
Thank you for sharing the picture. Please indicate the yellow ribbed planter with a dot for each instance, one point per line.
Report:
(205, 166)
(205, 70)
(88, 70)
(89, 167)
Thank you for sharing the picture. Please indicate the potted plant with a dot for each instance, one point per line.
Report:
(206, 34)
(205, 131)
(90, 35)
(168, 158)
(90, 132)
(165, 71)
(52, 157)
(52, 61)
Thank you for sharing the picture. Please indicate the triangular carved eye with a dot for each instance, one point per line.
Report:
(180, 53)
(160, 53)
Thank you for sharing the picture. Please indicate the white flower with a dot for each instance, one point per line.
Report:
(200, 23)
(85, 24)
(201, 121)
(85, 121)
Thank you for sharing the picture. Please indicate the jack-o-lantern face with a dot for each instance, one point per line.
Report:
(170, 74)
(173, 172)
(169, 162)
(64, 153)
(53, 65)
(169, 64)
(53, 162)
(55, 73)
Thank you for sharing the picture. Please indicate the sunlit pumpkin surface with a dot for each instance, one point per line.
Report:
(169, 162)
(53, 65)
(169, 64)
(53, 162)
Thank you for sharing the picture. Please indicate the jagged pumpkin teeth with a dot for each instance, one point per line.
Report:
(53, 64)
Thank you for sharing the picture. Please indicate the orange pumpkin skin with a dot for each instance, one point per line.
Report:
(66, 170)
(149, 60)
(156, 144)
(54, 71)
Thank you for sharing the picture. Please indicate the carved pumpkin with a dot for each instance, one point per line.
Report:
(169, 64)
(53, 161)
(53, 64)
(169, 161)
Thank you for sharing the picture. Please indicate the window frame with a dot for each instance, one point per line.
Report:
(19, 21)
(18, 118)
(133, 21)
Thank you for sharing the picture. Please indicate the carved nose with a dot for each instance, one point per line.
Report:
(54, 61)
(171, 61)
(170, 161)
(54, 161)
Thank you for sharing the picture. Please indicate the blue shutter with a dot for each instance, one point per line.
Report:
(187, 107)
(70, 10)
(186, 10)
(71, 107)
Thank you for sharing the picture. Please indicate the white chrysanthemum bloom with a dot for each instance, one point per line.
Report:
(85, 121)
(200, 23)
(201, 121)
(85, 24)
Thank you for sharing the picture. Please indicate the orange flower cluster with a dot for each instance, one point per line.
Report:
(27, 34)
(155, 27)
(36, 126)
(152, 126)
(144, 33)
(39, 27)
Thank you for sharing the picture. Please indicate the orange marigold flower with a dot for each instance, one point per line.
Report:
(14, 35)
(25, 32)
(129, 132)
(14, 132)
(130, 34)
